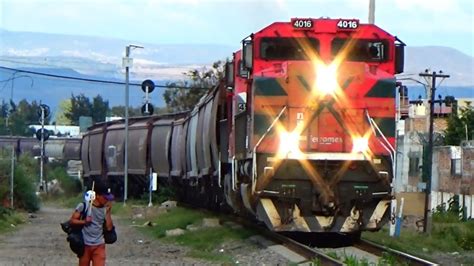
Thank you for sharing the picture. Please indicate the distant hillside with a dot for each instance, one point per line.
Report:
(451, 61)
(100, 58)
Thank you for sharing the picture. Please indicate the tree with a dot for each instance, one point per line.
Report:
(199, 82)
(120, 111)
(458, 124)
(100, 108)
(3, 109)
(64, 107)
(80, 106)
(20, 117)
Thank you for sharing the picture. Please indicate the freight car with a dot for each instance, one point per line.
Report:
(300, 134)
(57, 148)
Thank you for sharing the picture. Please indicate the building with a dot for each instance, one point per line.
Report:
(70, 131)
(452, 166)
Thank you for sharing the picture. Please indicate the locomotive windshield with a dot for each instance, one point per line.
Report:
(361, 50)
(288, 48)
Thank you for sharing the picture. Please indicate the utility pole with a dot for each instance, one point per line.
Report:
(427, 214)
(12, 177)
(127, 62)
(42, 152)
(42, 135)
(371, 11)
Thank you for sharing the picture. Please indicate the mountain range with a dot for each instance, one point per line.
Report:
(101, 58)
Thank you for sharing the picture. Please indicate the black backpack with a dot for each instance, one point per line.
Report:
(74, 234)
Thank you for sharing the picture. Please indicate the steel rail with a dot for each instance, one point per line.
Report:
(302, 249)
(400, 256)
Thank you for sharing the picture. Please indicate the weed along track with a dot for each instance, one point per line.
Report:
(399, 256)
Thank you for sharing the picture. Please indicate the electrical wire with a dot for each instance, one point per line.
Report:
(94, 80)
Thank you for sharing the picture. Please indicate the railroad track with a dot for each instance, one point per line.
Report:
(401, 257)
(311, 254)
(316, 255)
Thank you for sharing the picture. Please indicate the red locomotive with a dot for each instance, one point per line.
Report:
(300, 134)
(312, 123)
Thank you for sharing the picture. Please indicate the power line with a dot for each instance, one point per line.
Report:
(93, 80)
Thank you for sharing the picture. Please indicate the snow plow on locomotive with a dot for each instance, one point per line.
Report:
(300, 134)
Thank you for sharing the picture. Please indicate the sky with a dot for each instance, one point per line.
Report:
(416, 22)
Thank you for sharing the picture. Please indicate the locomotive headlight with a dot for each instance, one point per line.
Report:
(326, 78)
(289, 143)
(360, 144)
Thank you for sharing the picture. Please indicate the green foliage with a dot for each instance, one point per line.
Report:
(9, 219)
(199, 83)
(100, 108)
(164, 194)
(82, 106)
(120, 111)
(448, 235)
(63, 108)
(70, 185)
(19, 117)
(24, 191)
(176, 218)
(457, 124)
(206, 242)
(352, 260)
(387, 259)
(3, 109)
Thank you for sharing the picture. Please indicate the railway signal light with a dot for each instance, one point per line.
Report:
(43, 108)
(42, 132)
(148, 86)
(147, 109)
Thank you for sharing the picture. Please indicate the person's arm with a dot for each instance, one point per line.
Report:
(76, 219)
(108, 216)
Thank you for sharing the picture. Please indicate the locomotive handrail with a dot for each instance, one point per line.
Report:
(254, 157)
(391, 151)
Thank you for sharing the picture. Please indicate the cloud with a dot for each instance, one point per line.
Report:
(26, 52)
(440, 6)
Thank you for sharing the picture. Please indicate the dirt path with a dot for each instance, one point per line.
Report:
(42, 242)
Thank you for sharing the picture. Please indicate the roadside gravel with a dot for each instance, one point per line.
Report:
(40, 241)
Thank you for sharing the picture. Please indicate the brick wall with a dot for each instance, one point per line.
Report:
(442, 169)
(468, 170)
(419, 124)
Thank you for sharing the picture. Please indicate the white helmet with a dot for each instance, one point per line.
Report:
(89, 195)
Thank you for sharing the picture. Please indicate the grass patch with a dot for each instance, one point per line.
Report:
(204, 243)
(9, 218)
(176, 218)
(446, 237)
(63, 200)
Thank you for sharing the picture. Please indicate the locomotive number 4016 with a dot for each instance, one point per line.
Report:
(348, 24)
(302, 23)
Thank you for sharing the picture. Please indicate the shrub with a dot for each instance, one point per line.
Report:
(25, 190)
(70, 185)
